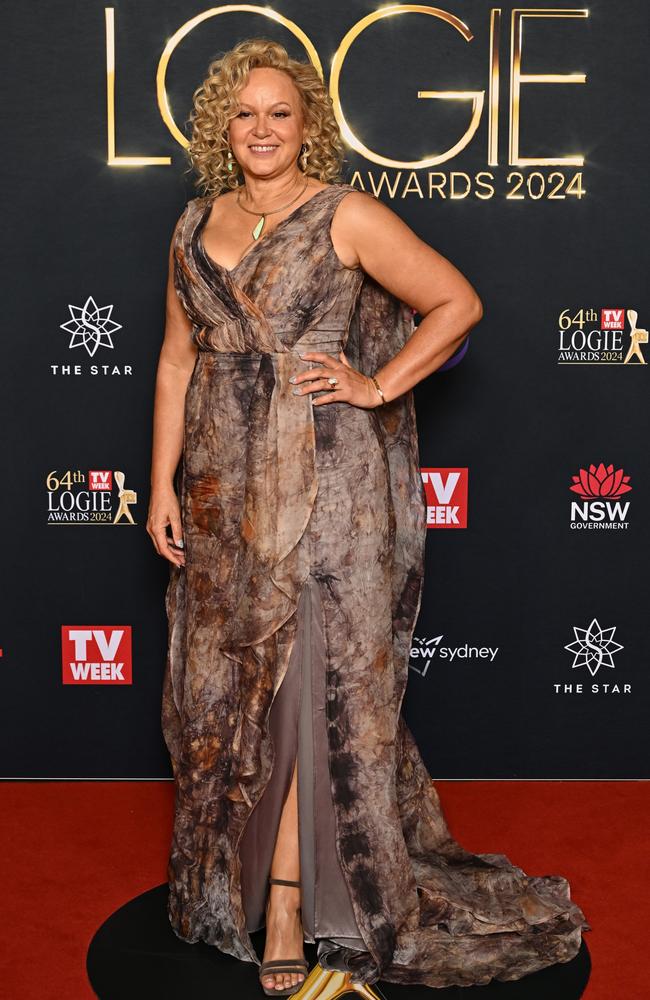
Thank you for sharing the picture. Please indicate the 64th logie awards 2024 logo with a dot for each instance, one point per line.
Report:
(603, 336)
(99, 496)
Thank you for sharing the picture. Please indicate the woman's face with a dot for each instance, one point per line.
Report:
(267, 134)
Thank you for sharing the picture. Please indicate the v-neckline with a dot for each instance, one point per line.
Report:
(231, 270)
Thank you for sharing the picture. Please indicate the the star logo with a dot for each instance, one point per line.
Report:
(91, 326)
(593, 647)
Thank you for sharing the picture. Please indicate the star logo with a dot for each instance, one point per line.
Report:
(91, 326)
(593, 647)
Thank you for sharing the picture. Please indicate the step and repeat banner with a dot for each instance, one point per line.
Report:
(511, 139)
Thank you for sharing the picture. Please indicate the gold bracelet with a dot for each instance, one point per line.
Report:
(378, 388)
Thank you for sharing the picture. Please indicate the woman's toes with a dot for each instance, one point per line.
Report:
(283, 980)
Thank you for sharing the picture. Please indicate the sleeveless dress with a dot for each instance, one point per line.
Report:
(290, 628)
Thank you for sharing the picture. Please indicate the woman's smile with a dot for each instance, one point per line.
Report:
(263, 149)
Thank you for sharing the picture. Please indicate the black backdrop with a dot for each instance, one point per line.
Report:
(499, 695)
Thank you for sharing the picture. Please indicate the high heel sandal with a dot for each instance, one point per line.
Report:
(289, 965)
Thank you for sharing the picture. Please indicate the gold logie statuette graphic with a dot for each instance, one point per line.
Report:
(637, 337)
(125, 497)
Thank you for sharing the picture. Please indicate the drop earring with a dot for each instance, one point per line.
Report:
(305, 150)
(230, 162)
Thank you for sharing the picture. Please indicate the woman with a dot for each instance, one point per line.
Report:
(297, 515)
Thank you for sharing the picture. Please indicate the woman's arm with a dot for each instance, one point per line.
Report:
(175, 367)
(366, 233)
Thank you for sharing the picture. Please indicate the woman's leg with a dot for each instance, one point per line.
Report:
(270, 840)
(284, 933)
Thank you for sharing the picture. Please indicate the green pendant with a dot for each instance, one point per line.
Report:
(258, 228)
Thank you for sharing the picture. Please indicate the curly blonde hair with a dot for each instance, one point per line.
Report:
(215, 104)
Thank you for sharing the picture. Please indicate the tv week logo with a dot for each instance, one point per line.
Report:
(612, 319)
(446, 495)
(100, 479)
(96, 654)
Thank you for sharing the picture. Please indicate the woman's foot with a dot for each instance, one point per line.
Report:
(284, 934)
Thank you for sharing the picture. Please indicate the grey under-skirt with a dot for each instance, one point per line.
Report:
(298, 727)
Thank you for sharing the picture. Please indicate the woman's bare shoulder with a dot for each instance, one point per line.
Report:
(362, 206)
(360, 216)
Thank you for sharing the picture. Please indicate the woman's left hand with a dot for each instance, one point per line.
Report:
(352, 386)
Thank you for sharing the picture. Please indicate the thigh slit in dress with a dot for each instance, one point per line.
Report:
(298, 729)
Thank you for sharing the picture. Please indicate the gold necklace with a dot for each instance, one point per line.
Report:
(256, 232)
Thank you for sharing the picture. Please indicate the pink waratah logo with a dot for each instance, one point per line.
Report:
(600, 482)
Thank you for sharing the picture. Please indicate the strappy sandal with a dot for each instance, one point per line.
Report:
(283, 964)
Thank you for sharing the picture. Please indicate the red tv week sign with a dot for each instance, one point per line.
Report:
(612, 319)
(96, 654)
(100, 479)
(446, 494)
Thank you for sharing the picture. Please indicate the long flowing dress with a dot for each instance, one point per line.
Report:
(290, 628)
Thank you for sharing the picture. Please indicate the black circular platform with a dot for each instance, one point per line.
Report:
(135, 955)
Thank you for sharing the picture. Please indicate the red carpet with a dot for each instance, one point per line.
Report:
(73, 852)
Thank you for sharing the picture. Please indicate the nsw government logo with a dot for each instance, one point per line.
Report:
(599, 488)
(90, 329)
(96, 654)
(593, 649)
(446, 495)
(99, 496)
(606, 336)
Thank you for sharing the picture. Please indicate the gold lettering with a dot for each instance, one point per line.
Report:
(188, 26)
(493, 99)
(517, 78)
(113, 159)
(476, 97)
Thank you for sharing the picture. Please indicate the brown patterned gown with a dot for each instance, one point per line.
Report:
(289, 635)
